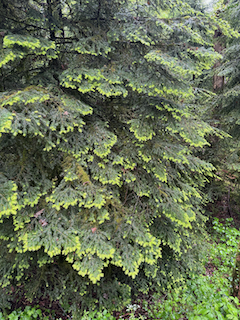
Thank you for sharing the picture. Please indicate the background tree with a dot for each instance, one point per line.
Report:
(227, 110)
(223, 113)
(99, 192)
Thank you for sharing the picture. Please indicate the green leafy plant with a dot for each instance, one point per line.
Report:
(93, 315)
(202, 296)
(205, 296)
(29, 313)
(226, 237)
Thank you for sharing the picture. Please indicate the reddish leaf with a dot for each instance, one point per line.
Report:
(94, 229)
(38, 213)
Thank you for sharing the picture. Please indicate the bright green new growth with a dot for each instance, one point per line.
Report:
(99, 188)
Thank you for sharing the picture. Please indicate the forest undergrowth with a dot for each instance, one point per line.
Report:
(204, 296)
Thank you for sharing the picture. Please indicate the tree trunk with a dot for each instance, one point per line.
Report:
(218, 82)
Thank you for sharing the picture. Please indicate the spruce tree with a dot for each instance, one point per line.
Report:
(100, 188)
(227, 110)
(224, 110)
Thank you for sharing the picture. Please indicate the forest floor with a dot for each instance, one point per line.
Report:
(217, 210)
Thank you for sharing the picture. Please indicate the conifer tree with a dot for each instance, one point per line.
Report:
(227, 109)
(100, 188)
(225, 153)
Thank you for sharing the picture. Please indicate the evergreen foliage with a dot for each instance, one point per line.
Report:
(227, 108)
(224, 111)
(100, 188)
(228, 100)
